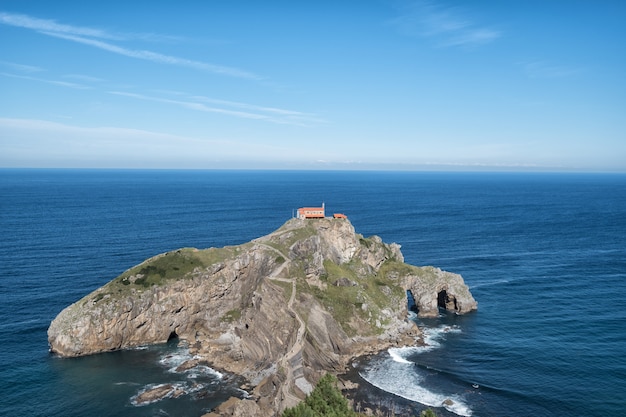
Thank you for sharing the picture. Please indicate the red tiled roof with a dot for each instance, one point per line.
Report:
(311, 212)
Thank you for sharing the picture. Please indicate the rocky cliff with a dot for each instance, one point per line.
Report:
(279, 310)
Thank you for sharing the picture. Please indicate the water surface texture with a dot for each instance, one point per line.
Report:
(543, 254)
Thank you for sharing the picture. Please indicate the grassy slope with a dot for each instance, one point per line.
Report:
(164, 268)
(365, 301)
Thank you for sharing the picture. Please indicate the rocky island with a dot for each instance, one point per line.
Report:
(281, 310)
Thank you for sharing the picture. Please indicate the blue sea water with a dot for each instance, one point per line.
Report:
(543, 254)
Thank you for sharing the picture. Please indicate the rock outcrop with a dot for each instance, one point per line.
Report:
(279, 310)
(433, 288)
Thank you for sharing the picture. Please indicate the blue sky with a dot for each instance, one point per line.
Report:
(447, 85)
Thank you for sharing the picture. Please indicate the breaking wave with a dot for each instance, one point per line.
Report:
(172, 390)
(182, 362)
(399, 375)
(192, 376)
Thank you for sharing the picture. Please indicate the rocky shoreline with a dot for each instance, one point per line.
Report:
(280, 311)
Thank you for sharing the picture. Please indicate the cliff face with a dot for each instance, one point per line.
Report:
(279, 310)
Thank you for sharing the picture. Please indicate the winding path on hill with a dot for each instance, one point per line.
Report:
(288, 398)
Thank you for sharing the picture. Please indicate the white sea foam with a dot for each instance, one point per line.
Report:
(195, 387)
(245, 393)
(433, 336)
(139, 348)
(174, 360)
(432, 340)
(177, 387)
(404, 381)
(398, 354)
(195, 374)
(203, 370)
(397, 375)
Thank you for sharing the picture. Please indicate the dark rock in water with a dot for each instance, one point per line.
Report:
(158, 393)
(187, 365)
(266, 310)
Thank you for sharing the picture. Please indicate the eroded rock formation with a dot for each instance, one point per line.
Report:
(279, 310)
(433, 288)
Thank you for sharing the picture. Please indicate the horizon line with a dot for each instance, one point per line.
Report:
(482, 170)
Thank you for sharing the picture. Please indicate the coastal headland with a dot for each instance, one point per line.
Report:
(280, 311)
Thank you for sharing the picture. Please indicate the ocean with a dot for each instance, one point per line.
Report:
(543, 254)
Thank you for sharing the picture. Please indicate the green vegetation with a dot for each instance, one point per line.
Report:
(288, 236)
(324, 401)
(393, 268)
(99, 296)
(232, 315)
(172, 266)
(365, 300)
(287, 288)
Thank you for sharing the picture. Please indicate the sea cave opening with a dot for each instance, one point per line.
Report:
(446, 301)
(411, 306)
(172, 336)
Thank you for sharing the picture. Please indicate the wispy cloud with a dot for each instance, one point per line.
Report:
(101, 39)
(67, 84)
(445, 26)
(263, 109)
(85, 133)
(84, 78)
(41, 143)
(45, 25)
(29, 69)
(545, 69)
(193, 105)
(230, 108)
(472, 37)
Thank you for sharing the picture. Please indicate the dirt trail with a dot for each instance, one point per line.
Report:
(287, 398)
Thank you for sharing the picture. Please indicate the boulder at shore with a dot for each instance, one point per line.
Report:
(280, 310)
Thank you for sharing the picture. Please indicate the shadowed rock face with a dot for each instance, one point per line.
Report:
(433, 289)
(279, 310)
